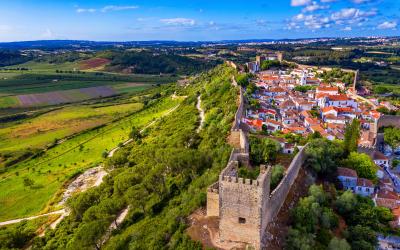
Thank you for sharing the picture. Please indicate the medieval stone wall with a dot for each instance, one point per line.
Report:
(389, 120)
(239, 112)
(278, 195)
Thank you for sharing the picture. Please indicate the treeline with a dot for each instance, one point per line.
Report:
(12, 57)
(146, 62)
(162, 176)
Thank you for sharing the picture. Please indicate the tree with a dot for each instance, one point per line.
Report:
(346, 203)
(135, 134)
(243, 79)
(88, 234)
(323, 156)
(361, 237)
(136, 196)
(338, 244)
(265, 65)
(351, 137)
(28, 182)
(362, 164)
(263, 150)
(298, 240)
(392, 137)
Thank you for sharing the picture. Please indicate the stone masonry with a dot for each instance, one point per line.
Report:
(245, 207)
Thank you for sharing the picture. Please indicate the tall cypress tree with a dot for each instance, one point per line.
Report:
(351, 137)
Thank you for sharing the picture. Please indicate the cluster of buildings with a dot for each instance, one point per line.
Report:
(255, 66)
(325, 107)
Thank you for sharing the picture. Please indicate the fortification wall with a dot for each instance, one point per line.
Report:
(389, 120)
(239, 112)
(240, 205)
(278, 196)
(213, 200)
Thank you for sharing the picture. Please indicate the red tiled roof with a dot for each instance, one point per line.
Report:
(379, 156)
(387, 194)
(346, 172)
(327, 109)
(364, 183)
(338, 98)
(327, 88)
(273, 122)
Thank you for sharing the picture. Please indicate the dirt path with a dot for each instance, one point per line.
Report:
(201, 113)
(114, 225)
(62, 211)
(112, 152)
(90, 178)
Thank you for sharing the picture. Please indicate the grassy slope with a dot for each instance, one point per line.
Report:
(63, 161)
(166, 229)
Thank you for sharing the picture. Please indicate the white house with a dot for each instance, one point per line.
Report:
(380, 159)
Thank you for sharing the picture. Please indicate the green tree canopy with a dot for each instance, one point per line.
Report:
(392, 137)
(351, 137)
(363, 164)
(323, 156)
(263, 150)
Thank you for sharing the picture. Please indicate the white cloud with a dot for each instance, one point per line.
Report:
(360, 1)
(387, 25)
(179, 21)
(300, 2)
(107, 8)
(314, 6)
(81, 10)
(118, 8)
(348, 28)
(352, 14)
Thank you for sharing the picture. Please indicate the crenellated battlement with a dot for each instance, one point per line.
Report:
(245, 207)
(241, 181)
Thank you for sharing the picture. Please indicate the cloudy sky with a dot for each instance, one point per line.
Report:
(195, 20)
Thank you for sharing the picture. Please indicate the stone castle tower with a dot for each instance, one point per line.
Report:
(241, 204)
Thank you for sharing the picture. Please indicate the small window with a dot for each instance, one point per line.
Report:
(242, 220)
(359, 188)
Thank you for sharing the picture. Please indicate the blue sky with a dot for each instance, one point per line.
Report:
(194, 20)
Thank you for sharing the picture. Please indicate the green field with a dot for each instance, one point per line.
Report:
(43, 130)
(57, 165)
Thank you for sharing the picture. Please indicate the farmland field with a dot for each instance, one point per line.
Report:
(43, 130)
(57, 165)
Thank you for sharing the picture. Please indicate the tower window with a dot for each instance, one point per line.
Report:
(242, 220)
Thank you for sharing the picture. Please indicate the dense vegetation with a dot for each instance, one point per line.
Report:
(145, 62)
(11, 57)
(162, 176)
(329, 220)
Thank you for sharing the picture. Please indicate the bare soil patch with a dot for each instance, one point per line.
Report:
(205, 230)
(93, 63)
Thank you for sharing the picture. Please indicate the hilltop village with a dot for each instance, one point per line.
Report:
(299, 101)
(288, 103)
